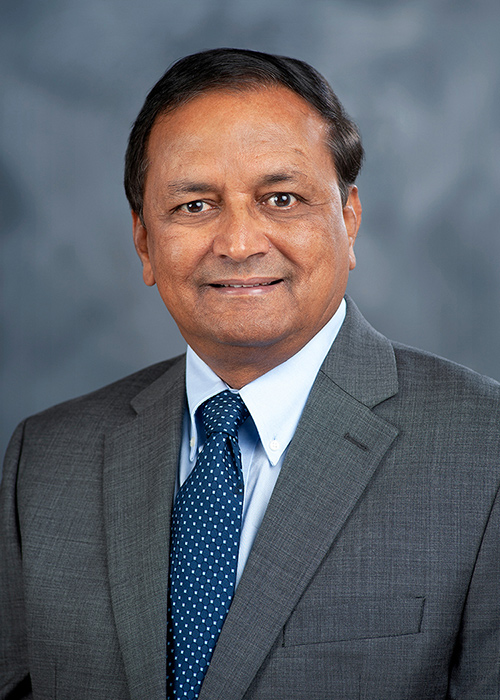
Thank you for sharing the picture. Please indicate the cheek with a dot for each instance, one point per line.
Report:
(175, 256)
(317, 248)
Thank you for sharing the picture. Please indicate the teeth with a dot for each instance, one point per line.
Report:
(246, 286)
(237, 286)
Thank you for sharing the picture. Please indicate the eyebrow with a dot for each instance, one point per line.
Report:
(182, 187)
(282, 176)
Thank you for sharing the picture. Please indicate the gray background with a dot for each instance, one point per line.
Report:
(421, 78)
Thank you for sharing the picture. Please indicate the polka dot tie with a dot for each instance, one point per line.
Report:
(205, 534)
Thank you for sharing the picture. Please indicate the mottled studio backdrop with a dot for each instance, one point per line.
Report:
(421, 77)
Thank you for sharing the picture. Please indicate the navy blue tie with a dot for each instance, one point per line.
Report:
(205, 534)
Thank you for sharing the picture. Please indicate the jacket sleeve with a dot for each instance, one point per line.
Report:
(15, 683)
(475, 671)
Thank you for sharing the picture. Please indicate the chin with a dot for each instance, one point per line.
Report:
(280, 342)
(250, 331)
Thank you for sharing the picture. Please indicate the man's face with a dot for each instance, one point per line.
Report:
(245, 234)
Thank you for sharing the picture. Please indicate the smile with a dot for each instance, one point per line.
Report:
(245, 286)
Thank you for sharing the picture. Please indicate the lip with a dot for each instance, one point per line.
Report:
(251, 285)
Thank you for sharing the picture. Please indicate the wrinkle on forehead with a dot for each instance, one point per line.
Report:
(232, 105)
(187, 186)
(274, 136)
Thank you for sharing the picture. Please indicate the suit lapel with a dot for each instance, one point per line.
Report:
(140, 468)
(337, 447)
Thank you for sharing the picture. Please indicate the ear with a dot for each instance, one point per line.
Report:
(141, 243)
(352, 220)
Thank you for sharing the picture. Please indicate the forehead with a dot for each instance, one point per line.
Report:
(243, 129)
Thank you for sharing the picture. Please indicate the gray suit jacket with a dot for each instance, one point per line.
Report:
(375, 574)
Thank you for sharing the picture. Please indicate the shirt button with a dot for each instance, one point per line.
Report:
(274, 445)
(192, 442)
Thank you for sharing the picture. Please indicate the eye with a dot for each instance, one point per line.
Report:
(197, 206)
(282, 200)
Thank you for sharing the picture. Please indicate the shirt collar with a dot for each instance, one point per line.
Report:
(276, 399)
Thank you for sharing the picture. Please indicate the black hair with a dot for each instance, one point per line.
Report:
(241, 69)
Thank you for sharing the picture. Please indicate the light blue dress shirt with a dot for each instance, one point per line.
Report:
(275, 402)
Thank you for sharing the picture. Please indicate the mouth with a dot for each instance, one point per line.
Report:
(247, 284)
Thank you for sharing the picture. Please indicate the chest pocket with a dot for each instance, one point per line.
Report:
(350, 617)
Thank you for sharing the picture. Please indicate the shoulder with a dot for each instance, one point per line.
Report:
(420, 371)
(442, 402)
(375, 371)
(108, 406)
(67, 441)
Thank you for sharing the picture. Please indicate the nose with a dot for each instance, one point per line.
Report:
(240, 234)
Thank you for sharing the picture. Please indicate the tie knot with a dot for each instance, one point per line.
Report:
(223, 413)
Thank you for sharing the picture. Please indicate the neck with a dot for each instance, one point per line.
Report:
(241, 367)
(238, 365)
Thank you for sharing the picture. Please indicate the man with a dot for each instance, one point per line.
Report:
(340, 539)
